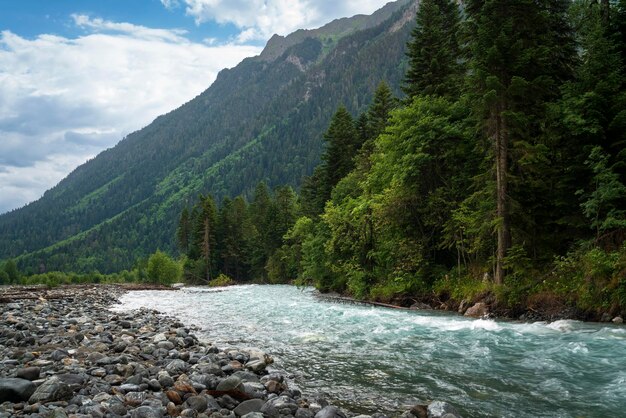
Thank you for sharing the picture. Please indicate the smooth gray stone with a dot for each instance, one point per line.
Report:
(29, 373)
(246, 407)
(16, 390)
(330, 412)
(51, 390)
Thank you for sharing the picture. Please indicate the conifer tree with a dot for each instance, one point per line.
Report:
(519, 57)
(380, 109)
(433, 51)
(341, 147)
(183, 231)
(204, 236)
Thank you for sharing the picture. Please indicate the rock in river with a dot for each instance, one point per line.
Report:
(479, 310)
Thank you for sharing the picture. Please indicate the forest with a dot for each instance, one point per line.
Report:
(498, 175)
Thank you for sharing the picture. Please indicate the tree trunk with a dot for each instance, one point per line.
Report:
(502, 210)
(207, 250)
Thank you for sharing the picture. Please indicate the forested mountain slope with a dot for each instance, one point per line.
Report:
(262, 120)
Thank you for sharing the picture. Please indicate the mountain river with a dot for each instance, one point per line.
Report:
(371, 359)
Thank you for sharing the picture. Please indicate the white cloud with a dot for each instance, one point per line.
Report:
(260, 19)
(170, 4)
(64, 100)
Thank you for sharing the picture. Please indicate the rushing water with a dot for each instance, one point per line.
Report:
(377, 359)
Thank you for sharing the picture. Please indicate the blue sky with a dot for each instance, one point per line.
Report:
(32, 18)
(77, 76)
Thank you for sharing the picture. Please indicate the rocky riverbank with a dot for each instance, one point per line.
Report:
(63, 353)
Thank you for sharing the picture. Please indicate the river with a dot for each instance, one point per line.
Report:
(372, 359)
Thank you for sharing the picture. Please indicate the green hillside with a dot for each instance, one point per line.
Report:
(262, 120)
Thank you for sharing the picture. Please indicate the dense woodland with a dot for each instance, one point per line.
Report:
(499, 174)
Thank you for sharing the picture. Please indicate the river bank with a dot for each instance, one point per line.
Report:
(64, 353)
(544, 307)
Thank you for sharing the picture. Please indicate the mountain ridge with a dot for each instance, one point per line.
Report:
(259, 121)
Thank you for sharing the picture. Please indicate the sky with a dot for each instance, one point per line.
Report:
(77, 76)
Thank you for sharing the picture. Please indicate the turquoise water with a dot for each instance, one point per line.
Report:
(376, 359)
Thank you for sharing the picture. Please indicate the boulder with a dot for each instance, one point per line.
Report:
(51, 390)
(230, 383)
(146, 412)
(280, 405)
(618, 320)
(16, 390)
(177, 367)
(479, 310)
(249, 406)
(197, 403)
(330, 412)
(29, 373)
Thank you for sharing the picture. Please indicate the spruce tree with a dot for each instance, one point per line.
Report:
(380, 110)
(433, 51)
(183, 231)
(203, 245)
(520, 55)
(341, 147)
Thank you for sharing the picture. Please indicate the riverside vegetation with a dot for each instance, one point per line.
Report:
(500, 176)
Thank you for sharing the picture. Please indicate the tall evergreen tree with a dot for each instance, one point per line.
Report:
(341, 147)
(342, 143)
(183, 231)
(204, 237)
(380, 110)
(434, 51)
(236, 236)
(519, 59)
(260, 209)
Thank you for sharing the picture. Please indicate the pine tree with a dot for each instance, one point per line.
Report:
(433, 51)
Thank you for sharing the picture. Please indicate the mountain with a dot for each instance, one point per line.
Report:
(261, 120)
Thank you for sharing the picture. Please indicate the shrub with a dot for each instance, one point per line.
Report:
(162, 269)
(221, 280)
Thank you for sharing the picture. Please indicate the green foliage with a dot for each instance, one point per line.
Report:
(4, 278)
(12, 273)
(604, 205)
(162, 269)
(221, 280)
(591, 278)
(433, 51)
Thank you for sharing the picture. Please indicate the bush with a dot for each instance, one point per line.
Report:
(4, 277)
(221, 280)
(162, 269)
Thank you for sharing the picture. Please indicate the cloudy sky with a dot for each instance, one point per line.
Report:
(76, 76)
